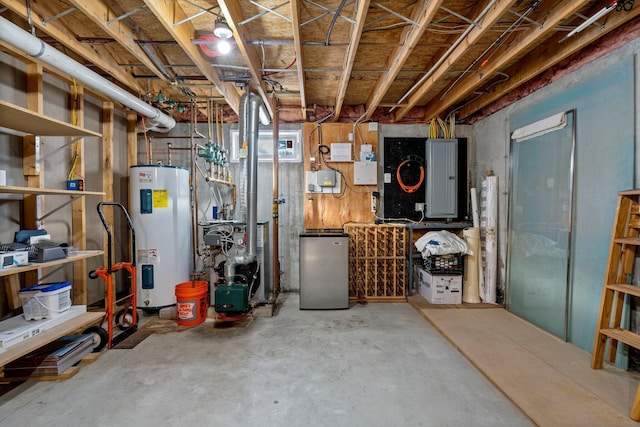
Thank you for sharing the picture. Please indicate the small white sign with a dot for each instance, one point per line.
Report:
(145, 176)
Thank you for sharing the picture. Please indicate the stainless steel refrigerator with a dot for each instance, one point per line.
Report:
(324, 271)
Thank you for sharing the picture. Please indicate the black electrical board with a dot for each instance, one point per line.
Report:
(403, 158)
(405, 178)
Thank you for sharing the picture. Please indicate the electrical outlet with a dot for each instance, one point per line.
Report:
(374, 208)
(419, 207)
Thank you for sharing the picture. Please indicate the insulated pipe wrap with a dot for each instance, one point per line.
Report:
(15, 36)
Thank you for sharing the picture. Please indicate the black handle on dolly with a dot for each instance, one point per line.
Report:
(106, 226)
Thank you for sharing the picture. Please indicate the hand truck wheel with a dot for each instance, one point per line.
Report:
(99, 335)
(124, 319)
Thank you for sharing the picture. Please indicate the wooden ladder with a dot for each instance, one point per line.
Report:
(622, 253)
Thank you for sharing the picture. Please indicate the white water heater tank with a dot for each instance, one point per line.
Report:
(159, 207)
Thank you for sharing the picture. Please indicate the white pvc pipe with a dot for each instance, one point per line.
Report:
(15, 36)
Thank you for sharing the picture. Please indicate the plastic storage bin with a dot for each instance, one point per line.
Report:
(45, 300)
(449, 264)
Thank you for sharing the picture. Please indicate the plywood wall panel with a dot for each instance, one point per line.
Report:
(353, 204)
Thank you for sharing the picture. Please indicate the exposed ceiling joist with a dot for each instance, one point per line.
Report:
(297, 42)
(504, 57)
(56, 30)
(415, 58)
(100, 13)
(546, 56)
(491, 14)
(423, 16)
(356, 33)
(169, 11)
(233, 13)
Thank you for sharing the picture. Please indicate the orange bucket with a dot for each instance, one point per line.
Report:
(191, 302)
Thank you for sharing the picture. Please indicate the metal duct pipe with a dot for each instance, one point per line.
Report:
(15, 36)
(252, 111)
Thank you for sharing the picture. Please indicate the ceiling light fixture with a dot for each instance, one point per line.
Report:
(222, 30)
(224, 46)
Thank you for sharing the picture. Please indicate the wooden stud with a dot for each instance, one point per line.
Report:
(33, 203)
(12, 287)
(78, 207)
(107, 171)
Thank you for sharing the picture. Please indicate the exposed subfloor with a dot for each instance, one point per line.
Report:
(370, 365)
(549, 379)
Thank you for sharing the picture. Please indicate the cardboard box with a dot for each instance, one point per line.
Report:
(13, 259)
(440, 289)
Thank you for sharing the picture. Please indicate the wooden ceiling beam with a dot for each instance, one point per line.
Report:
(100, 13)
(65, 37)
(168, 12)
(507, 55)
(354, 42)
(546, 56)
(491, 17)
(233, 14)
(423, 16)
(297, 43)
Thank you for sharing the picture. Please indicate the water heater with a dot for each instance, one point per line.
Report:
(159, 207)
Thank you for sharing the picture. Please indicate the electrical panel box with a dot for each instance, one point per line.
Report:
(442, 178)
(365, 173)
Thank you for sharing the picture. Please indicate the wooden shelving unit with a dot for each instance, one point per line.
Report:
(27, 121)
(36, 265)
(45, 191)
(78, 323)
(15, 118)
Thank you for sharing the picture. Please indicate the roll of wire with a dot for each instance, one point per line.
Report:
(405, 187)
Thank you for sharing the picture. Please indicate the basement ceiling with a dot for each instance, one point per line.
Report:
(386, 60)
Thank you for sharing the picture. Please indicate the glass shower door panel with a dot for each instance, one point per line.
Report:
(539, 229)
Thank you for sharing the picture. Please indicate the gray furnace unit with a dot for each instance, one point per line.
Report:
(442, 178)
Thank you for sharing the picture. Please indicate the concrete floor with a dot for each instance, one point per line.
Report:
(371, 365)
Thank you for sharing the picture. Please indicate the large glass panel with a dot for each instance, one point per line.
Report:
(539, 226)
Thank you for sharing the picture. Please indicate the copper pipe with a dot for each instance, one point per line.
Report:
(276, 198)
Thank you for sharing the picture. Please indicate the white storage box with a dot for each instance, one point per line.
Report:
(45, 300)
(440, 289)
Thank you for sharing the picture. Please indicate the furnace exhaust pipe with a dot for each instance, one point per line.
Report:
(252, 111)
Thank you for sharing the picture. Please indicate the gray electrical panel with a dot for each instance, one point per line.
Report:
(442, 178)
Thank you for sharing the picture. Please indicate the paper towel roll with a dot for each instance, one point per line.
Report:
(470, 290)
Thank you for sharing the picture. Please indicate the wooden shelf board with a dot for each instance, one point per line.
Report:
(30, 190)
(77, 323)
(36, 265)
(23, 120)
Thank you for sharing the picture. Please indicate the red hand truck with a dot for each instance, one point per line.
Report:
(126, 319)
